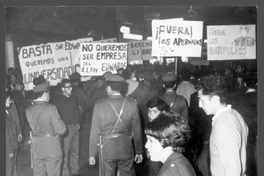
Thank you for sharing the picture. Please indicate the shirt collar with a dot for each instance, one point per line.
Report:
(250, 90)
(219, 112)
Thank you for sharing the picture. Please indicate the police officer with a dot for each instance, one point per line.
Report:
(46, 126)
(115, 123)
(176, 102)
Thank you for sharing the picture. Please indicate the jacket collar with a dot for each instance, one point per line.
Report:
(172, 157)
(115, 96)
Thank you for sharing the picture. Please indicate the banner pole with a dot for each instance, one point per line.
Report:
(175, 63)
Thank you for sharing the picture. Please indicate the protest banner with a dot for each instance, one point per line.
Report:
(146, 47)
(199, 61)
(231, 42)
(109, 40)
(174, 37)
(139, 50)
(98, 58)
(55, 61)
(134, 51)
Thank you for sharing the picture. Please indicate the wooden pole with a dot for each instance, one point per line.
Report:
(176, 64)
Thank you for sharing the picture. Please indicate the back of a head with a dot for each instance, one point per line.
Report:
(159, 103)
(126, 74)
(169, 80)
(250, 81)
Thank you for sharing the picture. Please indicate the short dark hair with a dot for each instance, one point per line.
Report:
(250, 81)
(64, 81)
(170, 129)
(214, 85)
(159, 103)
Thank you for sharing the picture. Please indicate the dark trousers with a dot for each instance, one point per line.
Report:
(71, 151)
(10, 164)
(124, 166)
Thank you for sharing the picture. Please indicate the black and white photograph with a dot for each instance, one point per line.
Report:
(151, 90)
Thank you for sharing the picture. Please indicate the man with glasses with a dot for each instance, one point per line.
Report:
(67, 105)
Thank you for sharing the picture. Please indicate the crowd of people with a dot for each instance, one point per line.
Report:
(139, 121)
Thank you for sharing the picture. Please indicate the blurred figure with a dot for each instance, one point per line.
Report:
(176, 102)
(11, 139)
(185, 88)
(132, 83)
(246, 104)
(229, 134)
(201, 125)
(21, 103)
(167, 136)
(88, 87)
(12, 110)
(144, 93)
(99, 91)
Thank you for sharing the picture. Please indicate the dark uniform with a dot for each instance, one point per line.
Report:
(14, 115)
(176, 102)
(11, 144)
(46, 125)
(176, 164)
(116, 133)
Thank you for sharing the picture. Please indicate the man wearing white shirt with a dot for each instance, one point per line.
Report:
(228, 138)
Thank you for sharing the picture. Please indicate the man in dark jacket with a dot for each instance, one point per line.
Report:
(116, 122)
(68, 108)
(11, 139)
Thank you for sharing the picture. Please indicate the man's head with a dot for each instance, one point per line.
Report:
(41, 91)
(149, 78)
(75, 78)
(39, 80)
(169, 80)
(66, 87)
(212, 93)
(114, 83)
(155, 107)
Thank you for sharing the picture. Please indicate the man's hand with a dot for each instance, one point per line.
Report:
(19, 138)
(138, 158)
(92, 161)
